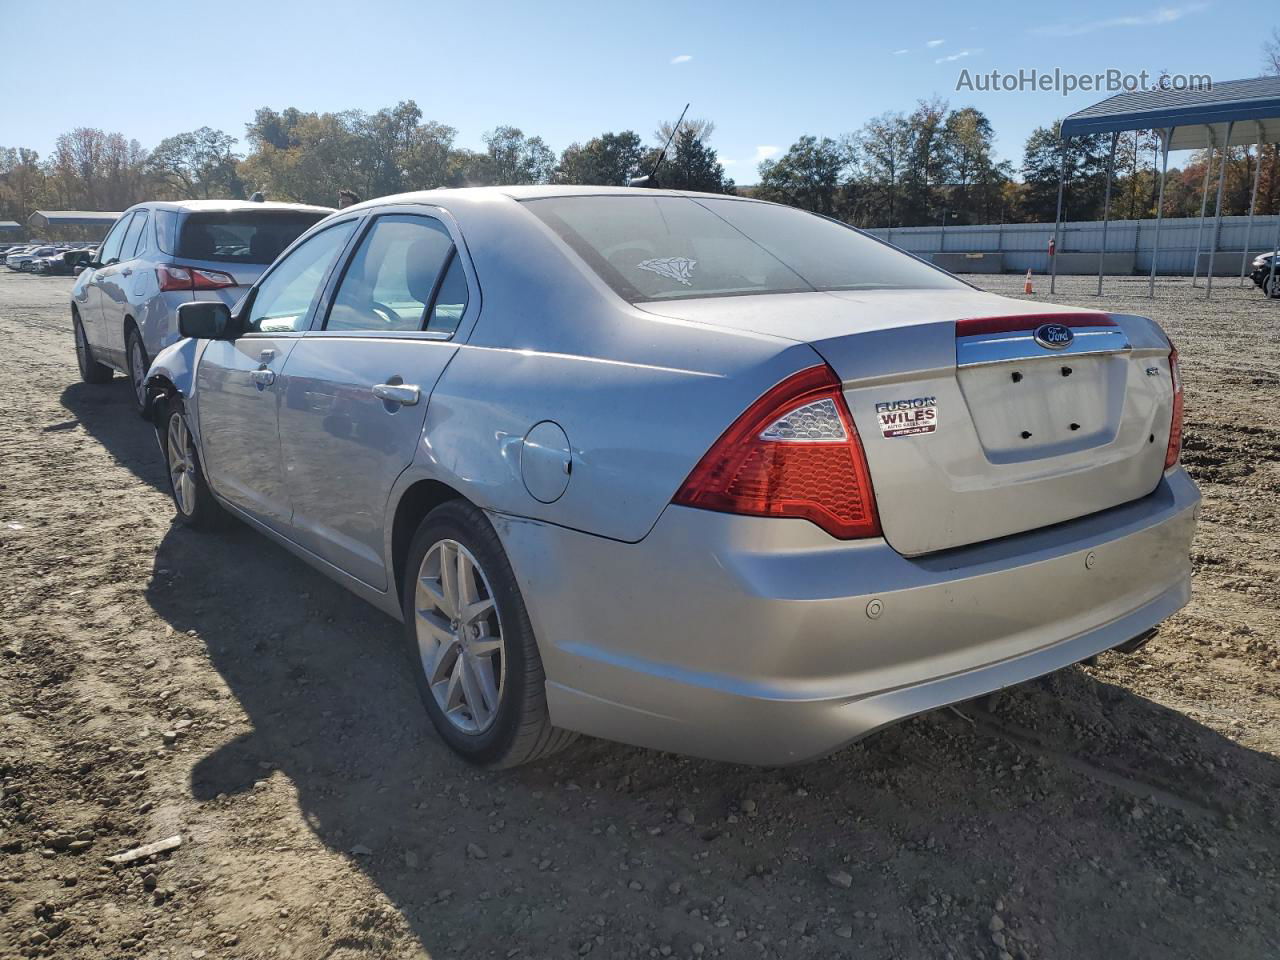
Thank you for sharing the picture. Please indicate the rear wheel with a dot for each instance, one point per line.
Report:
(136, 355)
(476, 660)
(91, 371)
(1272, 286)
(192, 498)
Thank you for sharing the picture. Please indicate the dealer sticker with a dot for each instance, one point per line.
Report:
(907, 418)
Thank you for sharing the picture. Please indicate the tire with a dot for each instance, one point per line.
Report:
(1271, 286)
(452, 660)
(193, 501)
(138, 364)
(91, 371)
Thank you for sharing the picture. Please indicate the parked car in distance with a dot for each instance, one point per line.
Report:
(694, 472)
(64, 263)
(22, 260)
(162, 254)
(1262, 276)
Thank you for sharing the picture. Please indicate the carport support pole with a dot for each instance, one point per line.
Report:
(1057, 217)
(1155, 241)
(1204, 206)
(1106, 207)
(1253, 203)
(1271, 274)
(1217, 210)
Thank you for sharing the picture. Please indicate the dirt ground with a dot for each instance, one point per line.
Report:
(156, 681)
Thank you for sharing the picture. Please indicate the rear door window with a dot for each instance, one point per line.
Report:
(110, 251)
(392, 278)
(133, 237)
(241, 236)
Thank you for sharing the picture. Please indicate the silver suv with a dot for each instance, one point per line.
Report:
(124, 306)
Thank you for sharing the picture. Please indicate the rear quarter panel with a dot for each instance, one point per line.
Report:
(641, 398)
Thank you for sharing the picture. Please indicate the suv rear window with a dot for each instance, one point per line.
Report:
(675, 248)
(241, 236)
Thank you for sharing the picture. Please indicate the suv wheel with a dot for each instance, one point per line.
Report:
(476, 661)
(136, 355)
(91, 371)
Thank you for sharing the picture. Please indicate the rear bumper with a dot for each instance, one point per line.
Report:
(765, 641)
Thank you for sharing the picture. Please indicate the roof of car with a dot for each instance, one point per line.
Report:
(228, 205)
(532, 192)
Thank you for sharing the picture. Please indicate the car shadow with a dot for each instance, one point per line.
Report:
(1067, 795)
(106, 412)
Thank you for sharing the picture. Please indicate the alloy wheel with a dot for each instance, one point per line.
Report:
(459, 636)
(182, 464)
(138, 371)
(82, 349)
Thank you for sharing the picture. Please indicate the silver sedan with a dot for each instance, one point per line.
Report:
(693, 472)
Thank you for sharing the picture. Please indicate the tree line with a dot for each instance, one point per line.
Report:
(930, 165)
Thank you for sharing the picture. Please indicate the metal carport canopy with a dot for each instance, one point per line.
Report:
(1212, 117)
(1190, 112)
(72, 218)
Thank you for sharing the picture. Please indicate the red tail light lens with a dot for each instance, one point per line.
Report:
(172, 276)
(1175, 428)
(793, 453)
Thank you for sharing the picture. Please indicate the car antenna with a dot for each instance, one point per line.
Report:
(651, 179)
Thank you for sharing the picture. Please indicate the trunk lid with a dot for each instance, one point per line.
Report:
(973, 429)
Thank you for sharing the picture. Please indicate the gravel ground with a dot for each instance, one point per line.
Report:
(157, 682)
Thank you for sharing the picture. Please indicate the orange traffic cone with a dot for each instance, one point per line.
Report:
(1026, 286)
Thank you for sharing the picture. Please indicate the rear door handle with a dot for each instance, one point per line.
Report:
(405, 394)
(262, 378)
(127, 271)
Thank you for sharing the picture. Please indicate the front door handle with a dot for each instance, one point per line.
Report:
(405, 394)
(127, 271)
(263, 378)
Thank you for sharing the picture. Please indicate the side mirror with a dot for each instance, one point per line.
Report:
(205, 320)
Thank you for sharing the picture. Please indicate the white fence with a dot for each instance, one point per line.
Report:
(1025, 246)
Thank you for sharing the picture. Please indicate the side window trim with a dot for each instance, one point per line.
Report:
(344, 254)
(125, 221)
(458, 251)
(143, 217)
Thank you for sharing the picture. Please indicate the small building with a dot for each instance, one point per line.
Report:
(72, 224)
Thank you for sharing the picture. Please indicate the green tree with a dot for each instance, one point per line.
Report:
(610, 159)
(689, 165)
(885, 144)
(200, 164)
(513, 158)
(811, 175)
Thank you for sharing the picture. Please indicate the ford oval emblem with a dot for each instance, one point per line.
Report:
(1054, 336)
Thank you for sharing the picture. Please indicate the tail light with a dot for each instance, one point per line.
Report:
(793, 453)
(173, 276)
(1175, 428)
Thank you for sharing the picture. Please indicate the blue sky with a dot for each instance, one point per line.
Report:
(766, 73)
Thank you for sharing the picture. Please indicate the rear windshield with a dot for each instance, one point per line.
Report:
(241, 236)
(675, 248)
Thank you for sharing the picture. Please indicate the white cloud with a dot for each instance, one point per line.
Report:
(766, 152)
(898, 53)
(958, 56)
(683, 58)
(935, 43)
(1152, 18)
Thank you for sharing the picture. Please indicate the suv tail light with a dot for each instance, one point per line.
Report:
(173, 276)
(1175, 428)
(793, 453)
